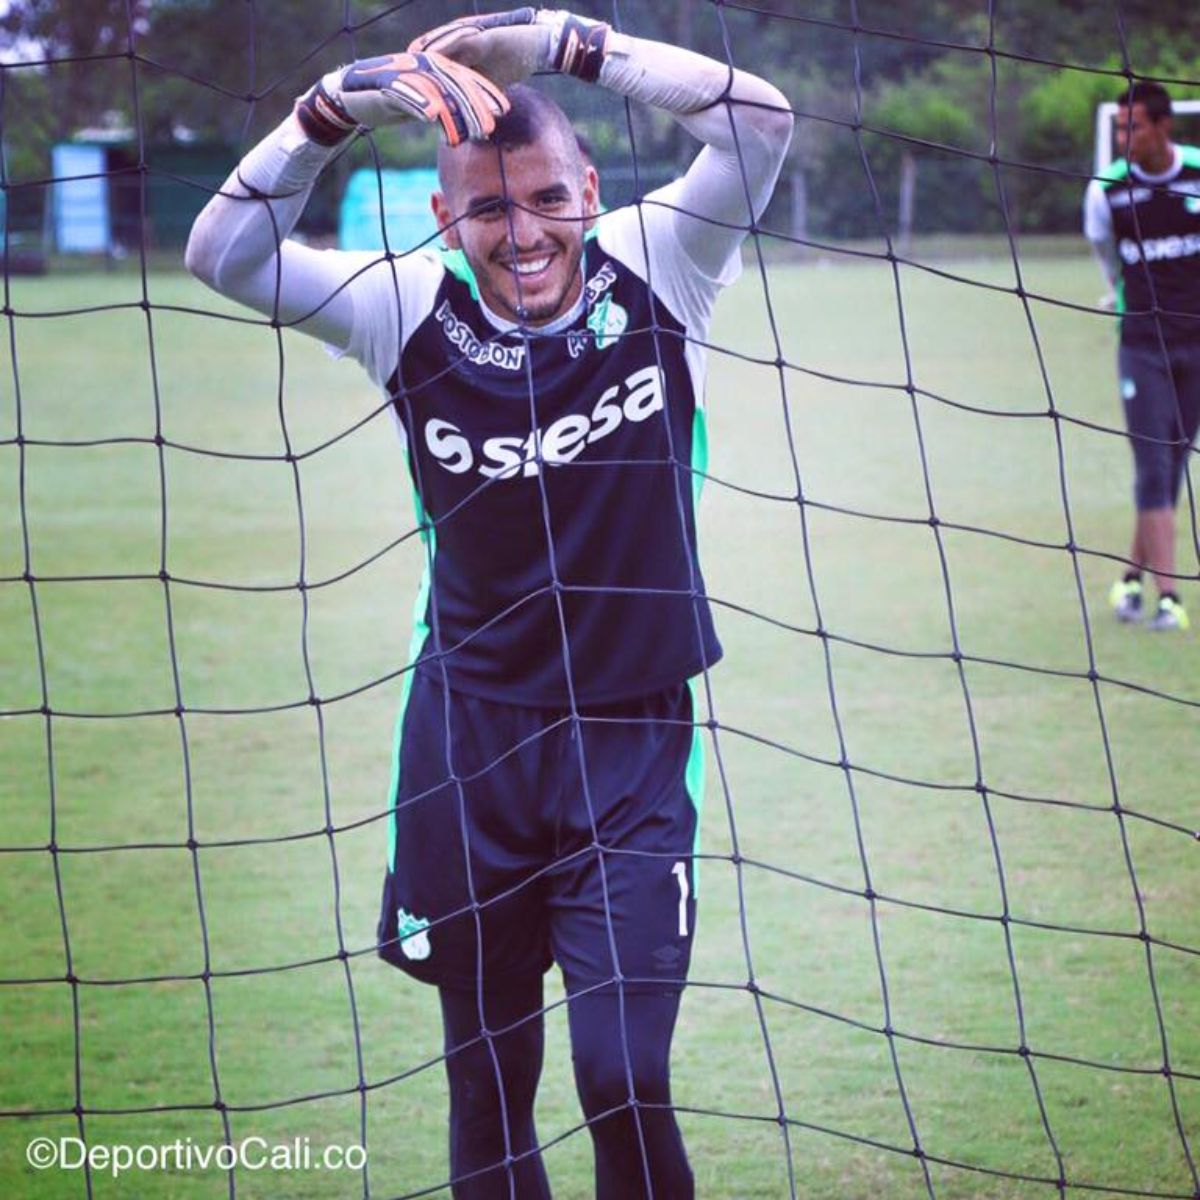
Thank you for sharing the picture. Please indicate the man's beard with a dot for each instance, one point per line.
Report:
(547, 310)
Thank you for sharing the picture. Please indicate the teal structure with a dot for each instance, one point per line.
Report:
(405, 213)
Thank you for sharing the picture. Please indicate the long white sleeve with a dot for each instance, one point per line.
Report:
(239, 244)
(744, 121)
(1097, 228)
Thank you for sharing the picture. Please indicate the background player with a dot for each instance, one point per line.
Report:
(1143, 220)
(547, 378)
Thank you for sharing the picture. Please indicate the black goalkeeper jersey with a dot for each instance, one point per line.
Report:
(1156, 227)
(556, 474)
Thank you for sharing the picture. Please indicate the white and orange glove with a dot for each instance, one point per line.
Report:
(394, 87)
(510, 46)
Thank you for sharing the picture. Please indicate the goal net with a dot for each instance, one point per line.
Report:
(948, 939)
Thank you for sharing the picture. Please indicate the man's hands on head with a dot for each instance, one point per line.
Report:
(510, 46)
(507, 47)
(454, 74)
(394, 87)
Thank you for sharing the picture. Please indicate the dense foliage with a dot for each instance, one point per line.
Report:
(993, 103)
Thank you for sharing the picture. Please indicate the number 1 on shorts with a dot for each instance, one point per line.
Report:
(679, 870)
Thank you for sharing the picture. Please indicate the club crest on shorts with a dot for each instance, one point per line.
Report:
(414, 941)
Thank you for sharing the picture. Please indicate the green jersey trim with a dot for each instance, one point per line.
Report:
(415, 646)
(455, 261)
(1116, 172)
(693, 775)
(699, 453)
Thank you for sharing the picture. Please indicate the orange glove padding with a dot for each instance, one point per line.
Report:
(392, 87)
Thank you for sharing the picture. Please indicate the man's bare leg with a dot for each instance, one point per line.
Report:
(1154, 545)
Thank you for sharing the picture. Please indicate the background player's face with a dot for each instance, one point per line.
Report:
(519, 216)
(1142, 140)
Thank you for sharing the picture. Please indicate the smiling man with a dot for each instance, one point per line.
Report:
(546, 372)
(516, 215)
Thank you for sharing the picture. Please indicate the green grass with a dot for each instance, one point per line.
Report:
(898, 698)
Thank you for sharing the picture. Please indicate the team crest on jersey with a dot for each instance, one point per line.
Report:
(607, 321)
(414, 940)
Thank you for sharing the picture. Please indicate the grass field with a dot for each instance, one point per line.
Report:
(287, 807)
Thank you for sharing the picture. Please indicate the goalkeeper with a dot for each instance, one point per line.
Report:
(1142, 217)
(546, 372)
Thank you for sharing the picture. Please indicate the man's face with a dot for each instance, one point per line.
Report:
(1139, 138)
(519, 216)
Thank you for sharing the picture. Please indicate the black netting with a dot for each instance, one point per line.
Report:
(949, 941)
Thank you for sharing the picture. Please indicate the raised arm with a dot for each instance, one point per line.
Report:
(744, 121)
(240, 244)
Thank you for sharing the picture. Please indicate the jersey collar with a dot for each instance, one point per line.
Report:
(1163, 176)
(556, 326)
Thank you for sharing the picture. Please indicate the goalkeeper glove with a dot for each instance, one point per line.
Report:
(510, 46)
(377, 91)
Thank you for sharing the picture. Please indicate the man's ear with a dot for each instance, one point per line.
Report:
(591, 196)
(445, 220)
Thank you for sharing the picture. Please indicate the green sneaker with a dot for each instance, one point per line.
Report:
(1125, 596)
(1170, 615)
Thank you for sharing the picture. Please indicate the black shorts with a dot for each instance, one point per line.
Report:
(1161, 394)
(529, 836)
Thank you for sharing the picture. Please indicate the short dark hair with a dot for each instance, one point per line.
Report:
(532, 116)
(1152, 96)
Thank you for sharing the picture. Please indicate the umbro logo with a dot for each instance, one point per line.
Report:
(666, 957)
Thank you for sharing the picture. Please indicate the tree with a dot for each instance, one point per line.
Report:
(924, 76)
